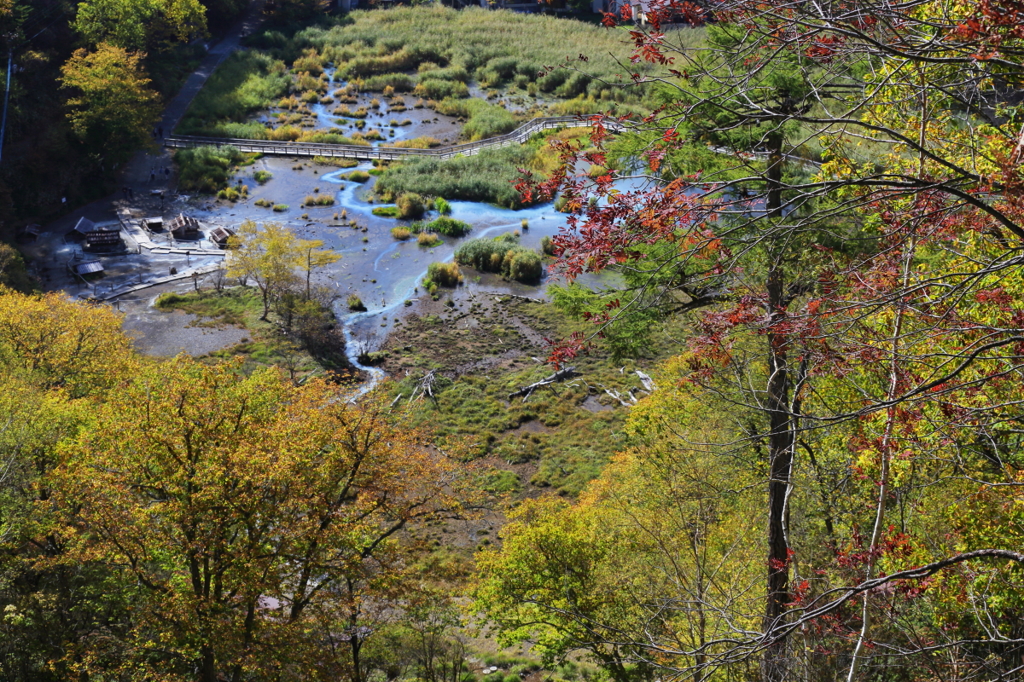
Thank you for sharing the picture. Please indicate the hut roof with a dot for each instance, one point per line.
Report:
(220, 234)
(89, 268)
(84, 226)
(183, 221)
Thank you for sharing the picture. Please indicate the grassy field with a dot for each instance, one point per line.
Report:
(489, 176)
(495, 48)
(435, 53)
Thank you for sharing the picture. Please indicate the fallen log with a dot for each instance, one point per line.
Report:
(560, 375)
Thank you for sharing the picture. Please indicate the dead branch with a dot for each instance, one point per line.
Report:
(560, 375)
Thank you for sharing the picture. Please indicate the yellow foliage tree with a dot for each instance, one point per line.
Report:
(260, 520)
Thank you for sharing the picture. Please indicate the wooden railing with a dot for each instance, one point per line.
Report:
(351, 151)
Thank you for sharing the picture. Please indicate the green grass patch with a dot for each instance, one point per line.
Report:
(336, 162)
(357, 176)
(483, 118)
(246, 82)
(235, 306)
(449, 227)
(262, 176)
(488, 176)
(385, 211)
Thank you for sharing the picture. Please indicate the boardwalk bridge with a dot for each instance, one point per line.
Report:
(366, 153)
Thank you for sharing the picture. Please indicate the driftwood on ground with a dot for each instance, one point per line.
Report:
(560, 375)
(425, 387)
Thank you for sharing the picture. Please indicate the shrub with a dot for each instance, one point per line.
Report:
(449, 227)
(442, 275)
(547, 246)
(442, 206)
(525, 224)
(400, 233)
(523, 265)
(503, 255)
(428, 239)
(410, 206)
(385, 211)
(262, 176)
(206, 169)
(280, 208)
(355, 303)
(358, 176)
(264, 203)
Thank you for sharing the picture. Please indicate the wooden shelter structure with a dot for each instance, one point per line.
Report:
(220, 235)
(184, 227)
(153, 223)
(88, 268)
(98, 236)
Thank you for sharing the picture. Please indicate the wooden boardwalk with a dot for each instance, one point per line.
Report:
(365, 153)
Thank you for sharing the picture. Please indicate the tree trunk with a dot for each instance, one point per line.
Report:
(207, 665)
(774, 665)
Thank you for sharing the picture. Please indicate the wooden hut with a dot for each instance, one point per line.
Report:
(220, 235)
(153, 224)
(184, 227)
(98, 236)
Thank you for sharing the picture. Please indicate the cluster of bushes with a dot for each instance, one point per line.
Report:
(503, 255)
(262, 176)
(442, 275)
(206, 169)
(397, 82)
(318, 200)
(488, 176)
(401, 233)
(234, 193)
(357, 176)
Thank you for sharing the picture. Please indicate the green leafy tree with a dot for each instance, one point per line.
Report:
(112, 108)
(140, 24)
